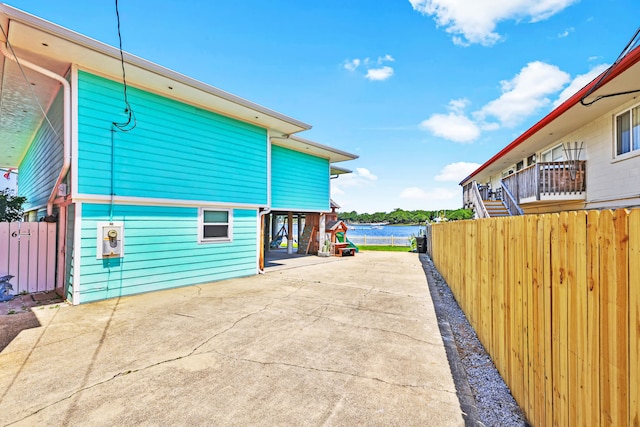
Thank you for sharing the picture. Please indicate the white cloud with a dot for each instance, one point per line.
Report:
(458, 105)
(336, 191)
(453, 126)
(352, 65)
(525, 93)
(379, 74)
(361, 177)
(456, 172)
(521, 96)
(566, 33)
(475, 21)
(366, 174)
(578, 83)
(386, 58)
(415, 193)
(349, 185)
(374, 69)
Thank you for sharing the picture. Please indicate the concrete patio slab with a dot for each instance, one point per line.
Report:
(348, 342)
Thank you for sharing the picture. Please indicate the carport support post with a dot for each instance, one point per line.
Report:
(299, 228)
(290, 233)
(274, 227)
(321, 232)
(265, 237)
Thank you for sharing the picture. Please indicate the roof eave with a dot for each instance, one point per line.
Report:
(289, 124)
(306, 146)
(632, 58)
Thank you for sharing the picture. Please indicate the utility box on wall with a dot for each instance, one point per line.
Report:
(110, 240)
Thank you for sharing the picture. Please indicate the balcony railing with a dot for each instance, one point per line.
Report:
(549, 179)
(472, 196)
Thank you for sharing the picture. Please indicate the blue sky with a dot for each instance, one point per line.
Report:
(422, 90)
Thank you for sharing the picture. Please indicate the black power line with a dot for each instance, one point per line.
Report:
(633, 43)
(131, 118)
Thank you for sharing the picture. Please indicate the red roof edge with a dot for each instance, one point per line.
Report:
(626, 62)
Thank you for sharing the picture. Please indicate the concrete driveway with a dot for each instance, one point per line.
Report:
(352, 341)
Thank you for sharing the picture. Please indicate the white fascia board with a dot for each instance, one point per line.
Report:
(65, 45)
(313, 148)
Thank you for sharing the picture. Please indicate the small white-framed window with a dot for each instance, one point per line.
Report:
(507, 172)
(215, 225)
(556, 154)
(627, 131)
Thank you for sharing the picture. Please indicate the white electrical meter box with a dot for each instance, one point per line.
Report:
(110, 240)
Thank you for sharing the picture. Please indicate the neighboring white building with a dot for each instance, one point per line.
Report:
(582, 155)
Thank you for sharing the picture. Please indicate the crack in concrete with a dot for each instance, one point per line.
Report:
(320, 316)
(370, 290)
(185, 315)
(131, 371)
(367, 310)
(334, 371)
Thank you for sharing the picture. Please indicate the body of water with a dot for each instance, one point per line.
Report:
(397, 235)
(385, 230)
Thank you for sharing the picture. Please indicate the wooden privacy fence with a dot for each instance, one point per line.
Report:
(555, 300)
(28, 252)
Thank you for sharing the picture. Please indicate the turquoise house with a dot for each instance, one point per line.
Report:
(161, 183)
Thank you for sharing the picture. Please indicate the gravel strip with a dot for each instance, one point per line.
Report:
(484, 397)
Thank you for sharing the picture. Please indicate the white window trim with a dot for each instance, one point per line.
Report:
(201, 238)
(550, 150)
(633, 152)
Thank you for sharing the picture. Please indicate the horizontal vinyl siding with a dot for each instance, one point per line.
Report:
(610, 182)
(68, 254)
(161, 251)
(299, 181)
(176, 151)
(609, 179)
(42, 163)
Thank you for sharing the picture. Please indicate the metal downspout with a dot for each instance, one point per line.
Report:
(66, 134)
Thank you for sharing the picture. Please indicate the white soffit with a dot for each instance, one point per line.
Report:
(337, 170)
(305, 146)
(54, 44)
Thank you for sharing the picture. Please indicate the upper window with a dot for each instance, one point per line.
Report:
(507, 172)
(556, 154)
(628, 131)
(215, 225)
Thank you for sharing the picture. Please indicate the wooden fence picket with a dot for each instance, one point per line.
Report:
(555, 300)
(28, 252)
(634, 319)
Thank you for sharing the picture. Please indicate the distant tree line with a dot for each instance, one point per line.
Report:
(400, 216)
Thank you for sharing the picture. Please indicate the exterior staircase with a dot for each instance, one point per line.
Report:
(495, 208)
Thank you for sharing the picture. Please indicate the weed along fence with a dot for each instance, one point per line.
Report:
(555, 299)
